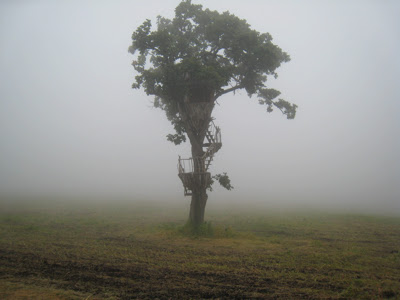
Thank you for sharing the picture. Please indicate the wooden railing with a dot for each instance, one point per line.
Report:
(189, 167)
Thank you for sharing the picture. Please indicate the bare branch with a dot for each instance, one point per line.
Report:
(236, 87)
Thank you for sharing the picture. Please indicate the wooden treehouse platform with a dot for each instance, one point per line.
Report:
(186, 167)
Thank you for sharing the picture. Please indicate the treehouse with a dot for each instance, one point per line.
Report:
(193, 171)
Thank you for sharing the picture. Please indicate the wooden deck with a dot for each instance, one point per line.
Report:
(187, 166)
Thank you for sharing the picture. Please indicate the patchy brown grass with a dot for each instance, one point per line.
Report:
(132, 251)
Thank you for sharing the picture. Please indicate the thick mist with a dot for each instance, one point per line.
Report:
(71, 126)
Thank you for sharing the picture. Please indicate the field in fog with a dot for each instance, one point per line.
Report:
(128, 250)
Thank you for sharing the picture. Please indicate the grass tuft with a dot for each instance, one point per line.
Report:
(142, 252)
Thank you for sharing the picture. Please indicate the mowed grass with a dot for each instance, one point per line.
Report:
(129, 250)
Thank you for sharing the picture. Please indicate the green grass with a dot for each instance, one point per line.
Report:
(123, 251)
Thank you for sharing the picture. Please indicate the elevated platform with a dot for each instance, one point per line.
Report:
(191, 180)
(188, 166)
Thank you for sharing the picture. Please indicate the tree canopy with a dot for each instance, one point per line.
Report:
(204, 54)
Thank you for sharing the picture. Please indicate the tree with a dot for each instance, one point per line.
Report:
(187, 63)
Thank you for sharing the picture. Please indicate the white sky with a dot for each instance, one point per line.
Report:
(70, 124)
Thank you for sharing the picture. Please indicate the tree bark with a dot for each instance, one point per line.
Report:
(197, 207)
(197, 117)
(201, 181)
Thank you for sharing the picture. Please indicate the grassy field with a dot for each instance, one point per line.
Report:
(129, 250)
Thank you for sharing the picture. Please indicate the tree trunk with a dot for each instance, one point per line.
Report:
(199, 191)
(197, 207)
(196, 118)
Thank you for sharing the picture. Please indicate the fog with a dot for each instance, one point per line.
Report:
(71, 126)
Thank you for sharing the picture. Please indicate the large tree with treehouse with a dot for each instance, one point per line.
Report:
(189, 62)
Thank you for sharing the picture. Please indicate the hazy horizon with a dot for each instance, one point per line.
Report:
(71, 125)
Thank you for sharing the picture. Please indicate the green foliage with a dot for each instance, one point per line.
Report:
(176, 138)
(266, 97)
(201, 55)
(223, 180)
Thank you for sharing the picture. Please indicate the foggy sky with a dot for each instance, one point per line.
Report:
(70, 124)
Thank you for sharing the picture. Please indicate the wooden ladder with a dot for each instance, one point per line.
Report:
(213, 144)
